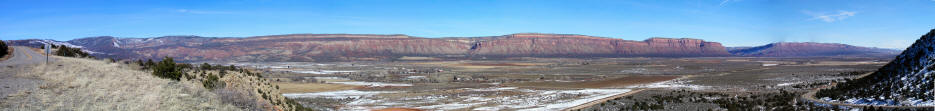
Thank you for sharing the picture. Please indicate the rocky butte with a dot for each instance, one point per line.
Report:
(346, 47)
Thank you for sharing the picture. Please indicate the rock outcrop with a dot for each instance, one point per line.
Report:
(807, 49)
(346, 47)
(905, 81)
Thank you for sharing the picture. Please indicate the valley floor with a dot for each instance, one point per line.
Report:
(549, 83)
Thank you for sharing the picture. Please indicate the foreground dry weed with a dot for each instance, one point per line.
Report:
(84, 84)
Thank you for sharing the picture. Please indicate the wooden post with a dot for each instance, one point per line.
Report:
(48, 52)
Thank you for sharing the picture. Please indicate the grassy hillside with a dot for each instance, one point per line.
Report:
(87, 84)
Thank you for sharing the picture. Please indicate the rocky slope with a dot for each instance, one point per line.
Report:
(804, 49)
(907, 80)
(344, 47)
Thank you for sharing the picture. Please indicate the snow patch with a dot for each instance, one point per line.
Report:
(337, 94)
(53, 42)
(372, 84)
(473, 99)
(677, 83)
(597, 94)
(415, 77)
(334, 78)
(322, 72)
(787, 84)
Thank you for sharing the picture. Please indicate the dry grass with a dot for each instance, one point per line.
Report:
(243, 86)
(83, 84)
(40, 51)
(287, 87)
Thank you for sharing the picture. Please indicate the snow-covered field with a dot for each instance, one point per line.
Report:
(321, 71)
(883, 102)
(787, 84)
(674, 84)
(498, 98)
(337, 94)
(372, 84)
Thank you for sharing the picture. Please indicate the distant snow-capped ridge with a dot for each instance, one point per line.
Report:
(54, 42)
(804, 49)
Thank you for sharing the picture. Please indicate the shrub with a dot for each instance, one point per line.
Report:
(218, 67)
(238, 98)
(185, 66)
(4, 49)
(139, 62)
(167, 69)
(205, 66)
(149, 63)
(71, 52)
(222, 73)
(210, 82)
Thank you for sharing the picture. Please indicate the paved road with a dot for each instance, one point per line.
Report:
(24, 55)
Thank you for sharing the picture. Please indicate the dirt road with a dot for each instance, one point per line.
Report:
(24, 55)
(23, 59)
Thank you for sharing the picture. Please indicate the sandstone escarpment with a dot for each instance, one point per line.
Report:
(586, 46)
(343, 47)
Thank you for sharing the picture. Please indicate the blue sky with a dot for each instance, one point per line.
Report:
(876, 23)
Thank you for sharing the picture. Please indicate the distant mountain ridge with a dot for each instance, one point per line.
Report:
(807, 49)
(349, 47)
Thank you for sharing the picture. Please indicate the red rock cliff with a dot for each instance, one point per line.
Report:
(329, 47)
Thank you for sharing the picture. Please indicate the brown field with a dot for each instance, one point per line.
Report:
(289, 87)
(409, 58)
(620, 82)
